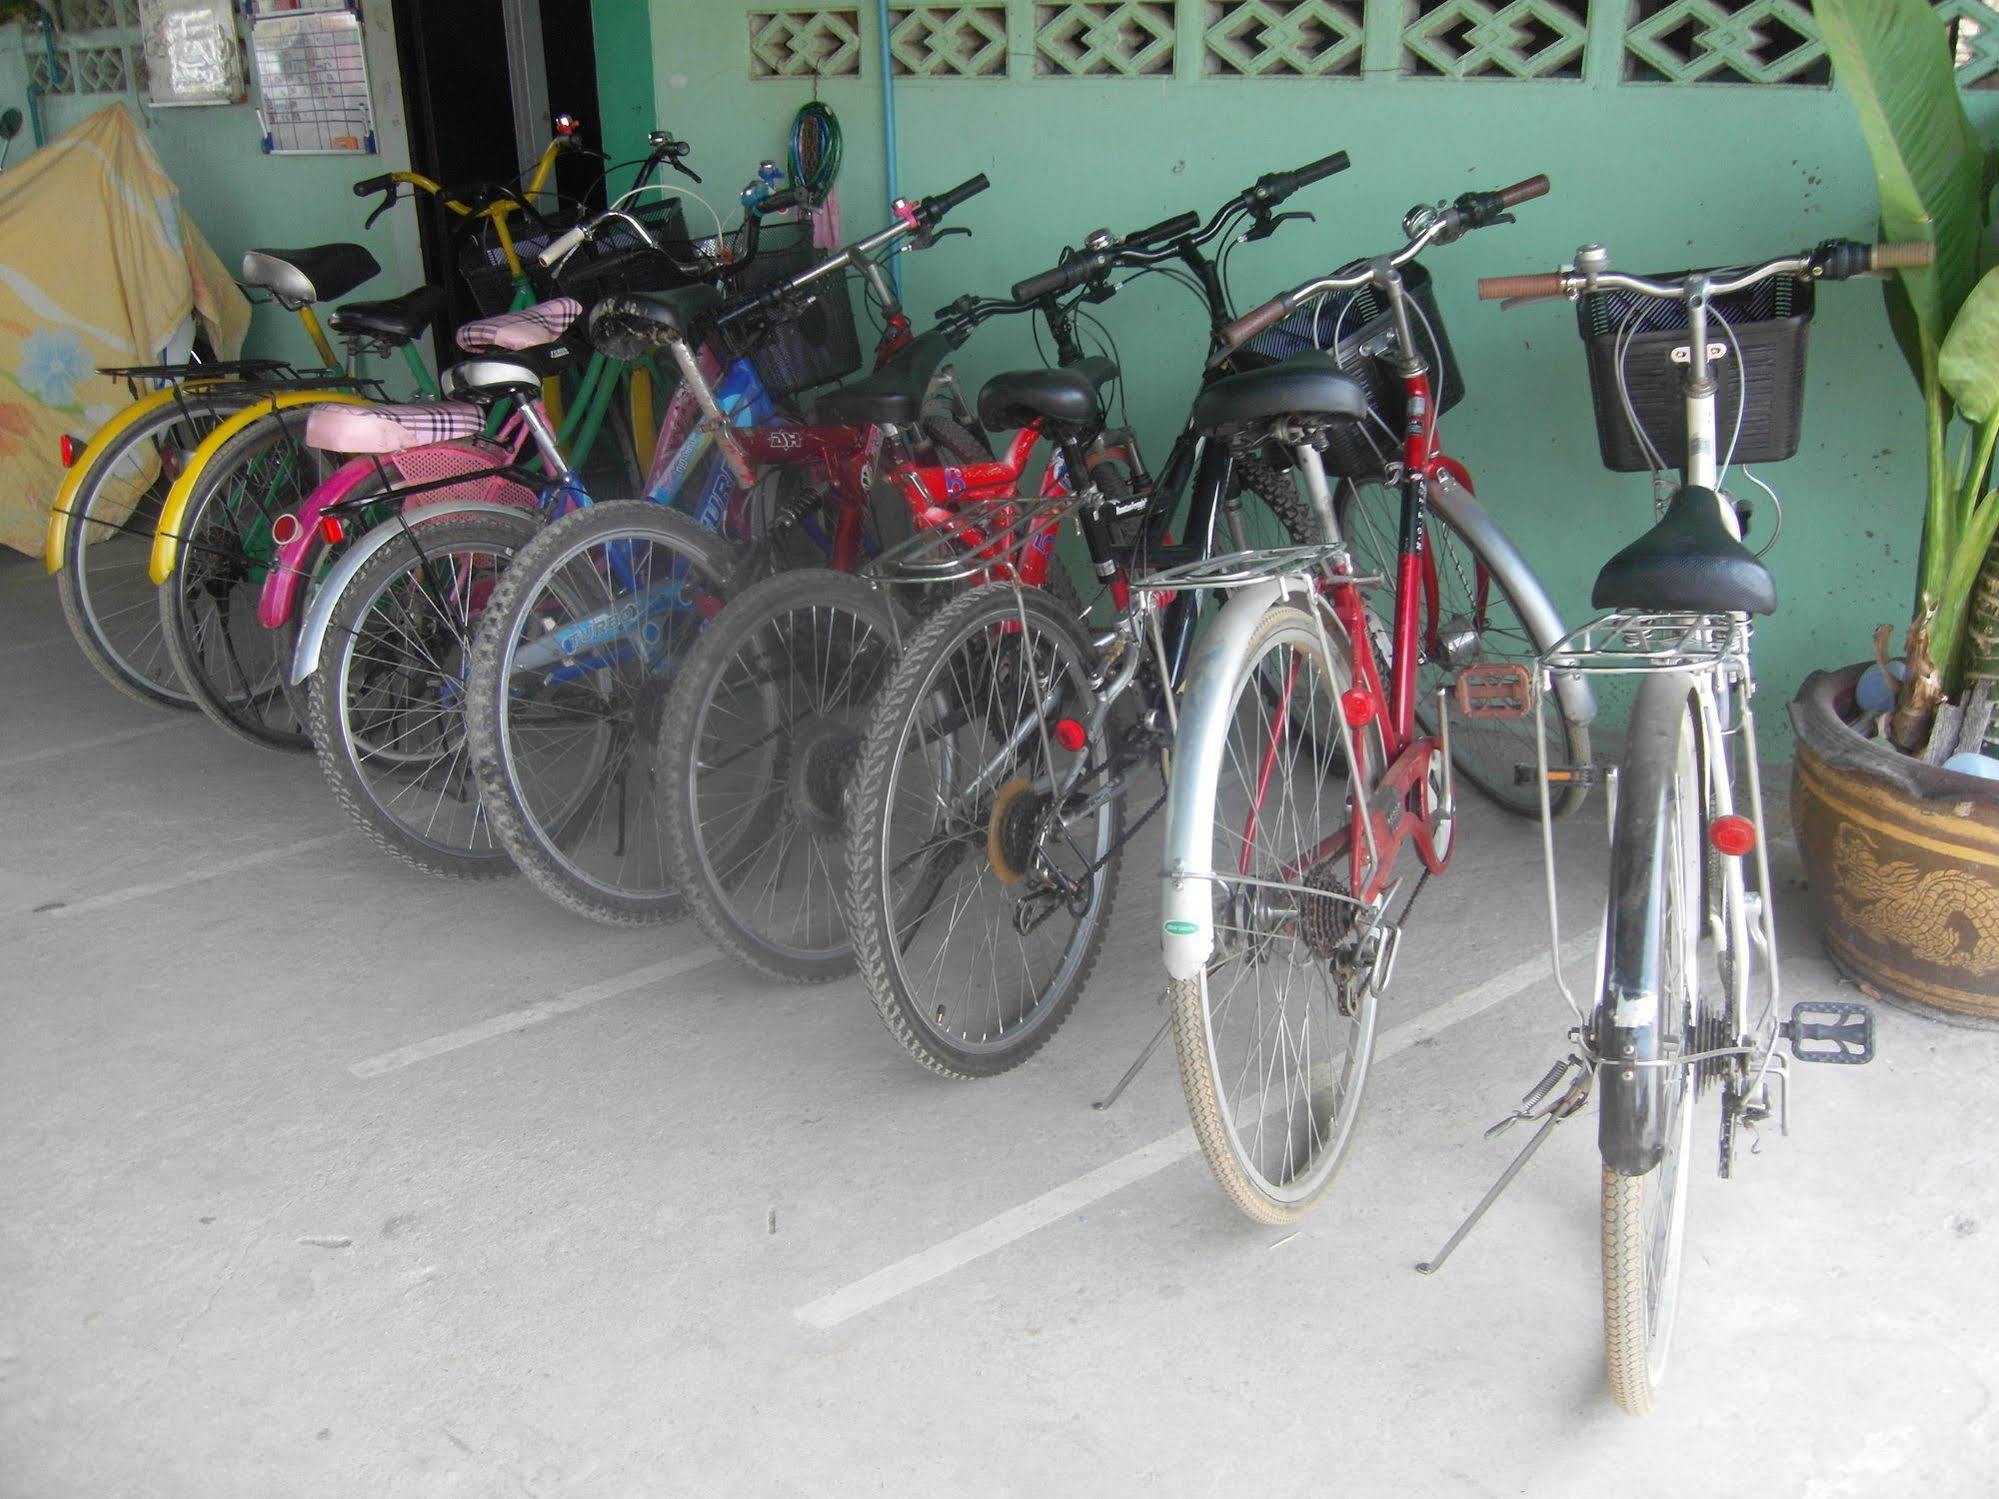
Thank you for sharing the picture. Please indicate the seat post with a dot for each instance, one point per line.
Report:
(310, 320)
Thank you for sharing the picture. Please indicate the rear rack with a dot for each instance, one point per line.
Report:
(983, 539)
(1629, 641)
(1234, 569)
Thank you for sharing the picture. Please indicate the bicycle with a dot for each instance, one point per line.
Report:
(763, 720)
(1302, 767)
(572, 661)
(1660, 1032)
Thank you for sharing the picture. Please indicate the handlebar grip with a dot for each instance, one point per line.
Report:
(1325, 166)
(1251, 323)
(934, 208)
(563, 245)
(1521, 192)
(1904, 257)
(782, 201)
(1174, 228)
(381, 184)
(1498, 288)
(1067, 276)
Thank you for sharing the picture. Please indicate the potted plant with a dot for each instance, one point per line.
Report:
(1900, 834)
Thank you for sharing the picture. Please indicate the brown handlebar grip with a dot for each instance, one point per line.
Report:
(1520, 192)
(1251, 323)
(1905, 257)
(1497, 288)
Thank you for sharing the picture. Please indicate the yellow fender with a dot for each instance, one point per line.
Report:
(166, 539)
(55, 550)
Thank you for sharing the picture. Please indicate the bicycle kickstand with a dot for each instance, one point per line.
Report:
(1573, 1070)
(1135, 1068)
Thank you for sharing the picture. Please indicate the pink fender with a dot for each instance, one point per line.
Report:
(297, 559)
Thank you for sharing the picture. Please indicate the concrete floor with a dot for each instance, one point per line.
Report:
(263, 1233)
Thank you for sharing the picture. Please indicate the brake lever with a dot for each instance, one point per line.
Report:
(1266, 224)
(383, 207)
(682, 168)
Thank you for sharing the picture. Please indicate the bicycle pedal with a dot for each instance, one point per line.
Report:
(1560, 775)
(1496, 689)
(1831, 1031)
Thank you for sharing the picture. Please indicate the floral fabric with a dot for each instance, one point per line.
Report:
(98, 266)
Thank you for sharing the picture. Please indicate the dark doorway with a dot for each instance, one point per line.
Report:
(460, 100)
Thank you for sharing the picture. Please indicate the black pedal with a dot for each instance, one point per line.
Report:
(1559, 775)
(1831, 1031)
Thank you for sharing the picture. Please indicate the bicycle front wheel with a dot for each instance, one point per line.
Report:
(985, 826)
(1653, 924)
(1275, 1037)
(572, 663)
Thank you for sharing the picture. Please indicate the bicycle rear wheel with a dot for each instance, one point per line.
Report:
(572, 662)
(107, 598)
(979, 902)
(386, 707)
(236, 670)
(1274, 1049)
(762, 730)
(1474, 619)
(1653, 924)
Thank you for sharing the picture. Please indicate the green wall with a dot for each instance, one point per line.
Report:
(1667, 175)
(242, 199)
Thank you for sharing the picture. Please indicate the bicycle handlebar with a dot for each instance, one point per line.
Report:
(1831, 260)
(929, 210)
(1273, 188)
(1178, 227)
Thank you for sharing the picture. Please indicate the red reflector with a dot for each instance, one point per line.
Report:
(1732, 835)
(1070, 735)
(1358, 706)
(284, 530)
(71, 449)
(331, 531)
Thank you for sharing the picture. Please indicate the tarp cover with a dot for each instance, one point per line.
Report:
(98, 266)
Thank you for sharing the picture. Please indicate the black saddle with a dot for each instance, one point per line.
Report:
(1308, 384)
(397, 320)
(633, 324)
(1066, 396)
(318, 273)
(892, 395)
(1687, 562)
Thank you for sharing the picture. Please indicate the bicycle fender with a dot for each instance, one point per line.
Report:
(1461, 507)
(319, 609)
(1631, 1125)
(173, 515)
(55, 549)
(279, 596)
(1187, 904)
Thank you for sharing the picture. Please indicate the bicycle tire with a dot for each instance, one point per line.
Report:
(1220, 1118)
(733, 827)
(535, 828)
(236, 670)
(1658, 847)
(472, 853)
(884, 923)
(142, 668)
(1483, 752)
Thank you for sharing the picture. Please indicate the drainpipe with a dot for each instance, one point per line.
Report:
(35, 90)
(888, 128)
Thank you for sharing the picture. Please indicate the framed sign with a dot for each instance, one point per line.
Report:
(192, 52)
(312, 78)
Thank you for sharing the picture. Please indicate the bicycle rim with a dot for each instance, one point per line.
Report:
(1474, 620)
(1274, 1049)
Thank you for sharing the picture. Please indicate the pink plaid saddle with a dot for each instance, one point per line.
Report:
(530, 328)
(390, 429)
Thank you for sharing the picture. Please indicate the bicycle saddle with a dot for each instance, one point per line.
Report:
(1308, 384)
(1687, 562)
(1067, 395)
(318, 273)
(633, 324)
(492, 380)
(397, 320)
(893, 394)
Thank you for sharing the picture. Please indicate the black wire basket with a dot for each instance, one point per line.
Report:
(1766, 357)
(810, 342)
(1357, 329)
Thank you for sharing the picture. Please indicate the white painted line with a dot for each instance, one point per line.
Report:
(102, 741)
(191, 877)
(1148, 1160)
(534, 1014)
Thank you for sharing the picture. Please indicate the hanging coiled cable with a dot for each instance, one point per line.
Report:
(816, 146)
